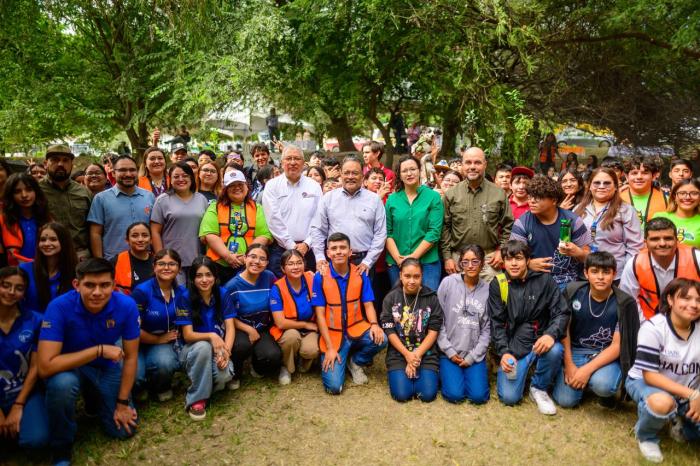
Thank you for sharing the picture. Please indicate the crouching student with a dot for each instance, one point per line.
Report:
(205, 317)
(294, 328)
(22, 408)
(78, 350)
(466, 331)
(528, 318)
(602, 336)
(664, 380)
(411, 318)
(156, 299)
(338, 298)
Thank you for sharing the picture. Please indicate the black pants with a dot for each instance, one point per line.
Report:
(265, 354)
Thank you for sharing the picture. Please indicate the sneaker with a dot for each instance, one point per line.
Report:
(608, 402)
(198, 410)
(61, 456)
(358, 374)
(165, 396)
(676, 430)
(544, 403)
(254, 374)
(651, 452)
(285, 377)
(234, 384)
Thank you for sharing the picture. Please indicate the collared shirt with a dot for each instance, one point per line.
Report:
(475, 216)
(318, 299)
(16, 348)
(361, 216)
(66, 320)
(409, 224)
(209, 321)
(31, 294)
(630, 285)
(70, 207)
(290, 208)
(115, 210)
(517, 209)
(301, 300)
(157, 316)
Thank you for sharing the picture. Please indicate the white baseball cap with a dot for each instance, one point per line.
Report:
(232, 177)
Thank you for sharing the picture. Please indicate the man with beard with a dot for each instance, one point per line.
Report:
(114, 209)
(476, 212)
(69, 202)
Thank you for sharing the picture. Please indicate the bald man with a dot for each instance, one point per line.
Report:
(476, 212)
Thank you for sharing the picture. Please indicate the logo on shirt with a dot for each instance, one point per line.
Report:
(147, 210)
(26, 336)
(45, 324)
(576, 305)
(110, 323)
(181, 312)
(304, 194)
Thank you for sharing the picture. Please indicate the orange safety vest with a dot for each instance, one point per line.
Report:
(145, 183)
(12, 238)
(649, 293)
(122, 273)
(547, 154)
(289, 306)
(657, 203)
(355, 324)
(223, 213)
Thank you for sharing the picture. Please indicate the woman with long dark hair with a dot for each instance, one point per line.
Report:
(573, 185)
(205, 319)
(52, 272)
(135, 265)
(25, 209)
(684, 211)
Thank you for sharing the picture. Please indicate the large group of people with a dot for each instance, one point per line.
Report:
(112, 285)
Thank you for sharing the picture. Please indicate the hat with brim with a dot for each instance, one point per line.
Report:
(233, 176)
(59, 149)
(178, 147)
(442, 165)
(522, 171)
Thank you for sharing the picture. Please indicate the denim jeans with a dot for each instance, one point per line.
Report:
(604, 382)
(198, 361)
(464, 383)
(62, 392)
(424, 387)
(34, 425)
(156, 366)
(650, 423)
(510, 392)
(431, 275)
(363, 351)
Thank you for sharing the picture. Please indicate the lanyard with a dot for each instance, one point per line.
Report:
(236, 219)
(642, 216)
(594, 227)
(167, 304)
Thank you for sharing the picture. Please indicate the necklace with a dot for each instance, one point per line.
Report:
(590, 306)
(406, 306)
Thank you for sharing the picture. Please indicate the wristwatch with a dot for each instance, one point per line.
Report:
(122, 402)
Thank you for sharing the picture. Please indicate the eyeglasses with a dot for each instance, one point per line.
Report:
(601, 184)
(261, 259)
(473, 263)
(167, 265)
(688, 194)
(93, 174)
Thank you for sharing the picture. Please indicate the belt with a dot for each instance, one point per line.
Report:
(358, 255)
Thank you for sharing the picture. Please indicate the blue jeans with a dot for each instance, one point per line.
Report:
(364, 349)
(62, 392)
(424, 387)
(604, 382)
(156, 366)
(198, 361)
(464, 383)
(650, 423)
(431, 275)
(510, 392)
(34, 425)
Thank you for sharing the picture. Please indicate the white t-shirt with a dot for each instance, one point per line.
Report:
(661, 350)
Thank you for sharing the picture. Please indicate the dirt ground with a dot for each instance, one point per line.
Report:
(265, 424)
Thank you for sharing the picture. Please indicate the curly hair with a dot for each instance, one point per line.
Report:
(635, 163)
(543, 187)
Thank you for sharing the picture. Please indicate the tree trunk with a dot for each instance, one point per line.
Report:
(451, 123)
(340, 128)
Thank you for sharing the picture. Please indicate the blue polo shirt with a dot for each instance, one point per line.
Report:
(209, 322)
(115, 211)
(301, 299)
(157, 316)
(31, 294)
(319, 299)
(16, 348)
(251, 302)
(66, 320)
(29, 231)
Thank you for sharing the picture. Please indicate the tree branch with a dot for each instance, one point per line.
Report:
(641, 36)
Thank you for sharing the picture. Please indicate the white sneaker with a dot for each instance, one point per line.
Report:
(285, 377)
(676, 430)
(254, 374)
(234, 384)
(544, 403)
(165, 396)
(358, 374)
(651, 452)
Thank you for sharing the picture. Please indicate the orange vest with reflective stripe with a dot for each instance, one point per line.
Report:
(656, 203)
(145, 183)
(289, 306)
(355, 323)
(122, 273)
(12, 238)
(223, 213)
(649, 293)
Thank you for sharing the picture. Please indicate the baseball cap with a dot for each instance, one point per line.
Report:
(522, 171)
(178, 147)
(232, 177)
(59, 149)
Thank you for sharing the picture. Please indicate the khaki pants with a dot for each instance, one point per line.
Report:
(293, 343)
(488, 273)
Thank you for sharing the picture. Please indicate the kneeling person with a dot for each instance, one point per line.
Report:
(338, 297)
(601, 339)
(78, 351)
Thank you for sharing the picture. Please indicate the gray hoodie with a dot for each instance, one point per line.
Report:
(466, 329)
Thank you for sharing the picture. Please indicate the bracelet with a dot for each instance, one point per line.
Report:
(122, 402)
(693, 396)
(373, 323)
(18, 403)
